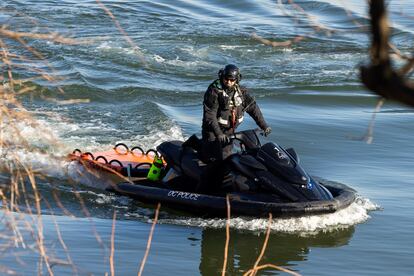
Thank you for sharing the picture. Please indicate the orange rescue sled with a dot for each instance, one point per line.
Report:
(120, 162)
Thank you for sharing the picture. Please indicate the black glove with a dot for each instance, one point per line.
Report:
(223, 139)
(267, 131)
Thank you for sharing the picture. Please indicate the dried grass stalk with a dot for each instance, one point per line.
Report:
(111, 257)
(226, 247)
(154, 222)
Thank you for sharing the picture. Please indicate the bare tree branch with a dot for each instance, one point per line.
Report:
(286, 43)
(51, 36)
(379, 76)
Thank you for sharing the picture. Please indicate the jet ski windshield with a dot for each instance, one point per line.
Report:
(278, 161)
(278, 154)
(248, 138)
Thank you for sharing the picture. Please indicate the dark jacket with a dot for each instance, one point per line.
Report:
(224, 109)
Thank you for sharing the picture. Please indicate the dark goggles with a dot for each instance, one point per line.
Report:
(230, 79)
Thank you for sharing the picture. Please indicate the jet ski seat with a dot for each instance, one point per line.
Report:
(171, 151)
(183, 159)
(191, 164)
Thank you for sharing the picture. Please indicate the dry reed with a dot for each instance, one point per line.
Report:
(27, 230)
(154, 222)
(300, 13)
(111, 258)
(269, 223)
(226, 246)
(256, 267)
(12, 111)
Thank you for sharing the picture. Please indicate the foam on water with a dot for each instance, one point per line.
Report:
(79, 174)
(155, 137)
(356, 213)
(178, 61)
(179, 115)
(111, 47)
(32, 143)
(51, 139)
(196, 58)
(231, 47)
(116, 201)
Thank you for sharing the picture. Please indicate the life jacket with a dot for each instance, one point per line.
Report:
(230, 112)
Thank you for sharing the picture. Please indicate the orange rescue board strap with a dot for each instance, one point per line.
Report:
(125, 159)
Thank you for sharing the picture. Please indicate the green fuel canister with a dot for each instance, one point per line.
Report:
(155, 170)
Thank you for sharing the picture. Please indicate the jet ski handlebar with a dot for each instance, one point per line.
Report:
(249, 138)
(236, 135)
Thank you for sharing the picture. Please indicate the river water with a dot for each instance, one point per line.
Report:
(151, 91)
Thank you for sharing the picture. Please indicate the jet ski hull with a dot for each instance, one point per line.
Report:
(242, 204)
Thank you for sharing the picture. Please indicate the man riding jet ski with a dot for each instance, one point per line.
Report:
(225, 102)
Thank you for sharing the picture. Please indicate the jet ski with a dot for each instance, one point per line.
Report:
(258, 179)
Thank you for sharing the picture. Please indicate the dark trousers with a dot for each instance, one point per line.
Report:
(212, 149)
(213, 153)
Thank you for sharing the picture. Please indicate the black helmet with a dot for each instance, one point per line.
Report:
(230, 72)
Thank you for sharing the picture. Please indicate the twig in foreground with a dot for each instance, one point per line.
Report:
(370, 133)
(269, 224)
(286, 43)
(226, 247)
(157, 211)
(256, 268)
(111, 257)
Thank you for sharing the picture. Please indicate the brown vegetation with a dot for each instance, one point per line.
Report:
(256, 267)
(22, 202)
(380, 76)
